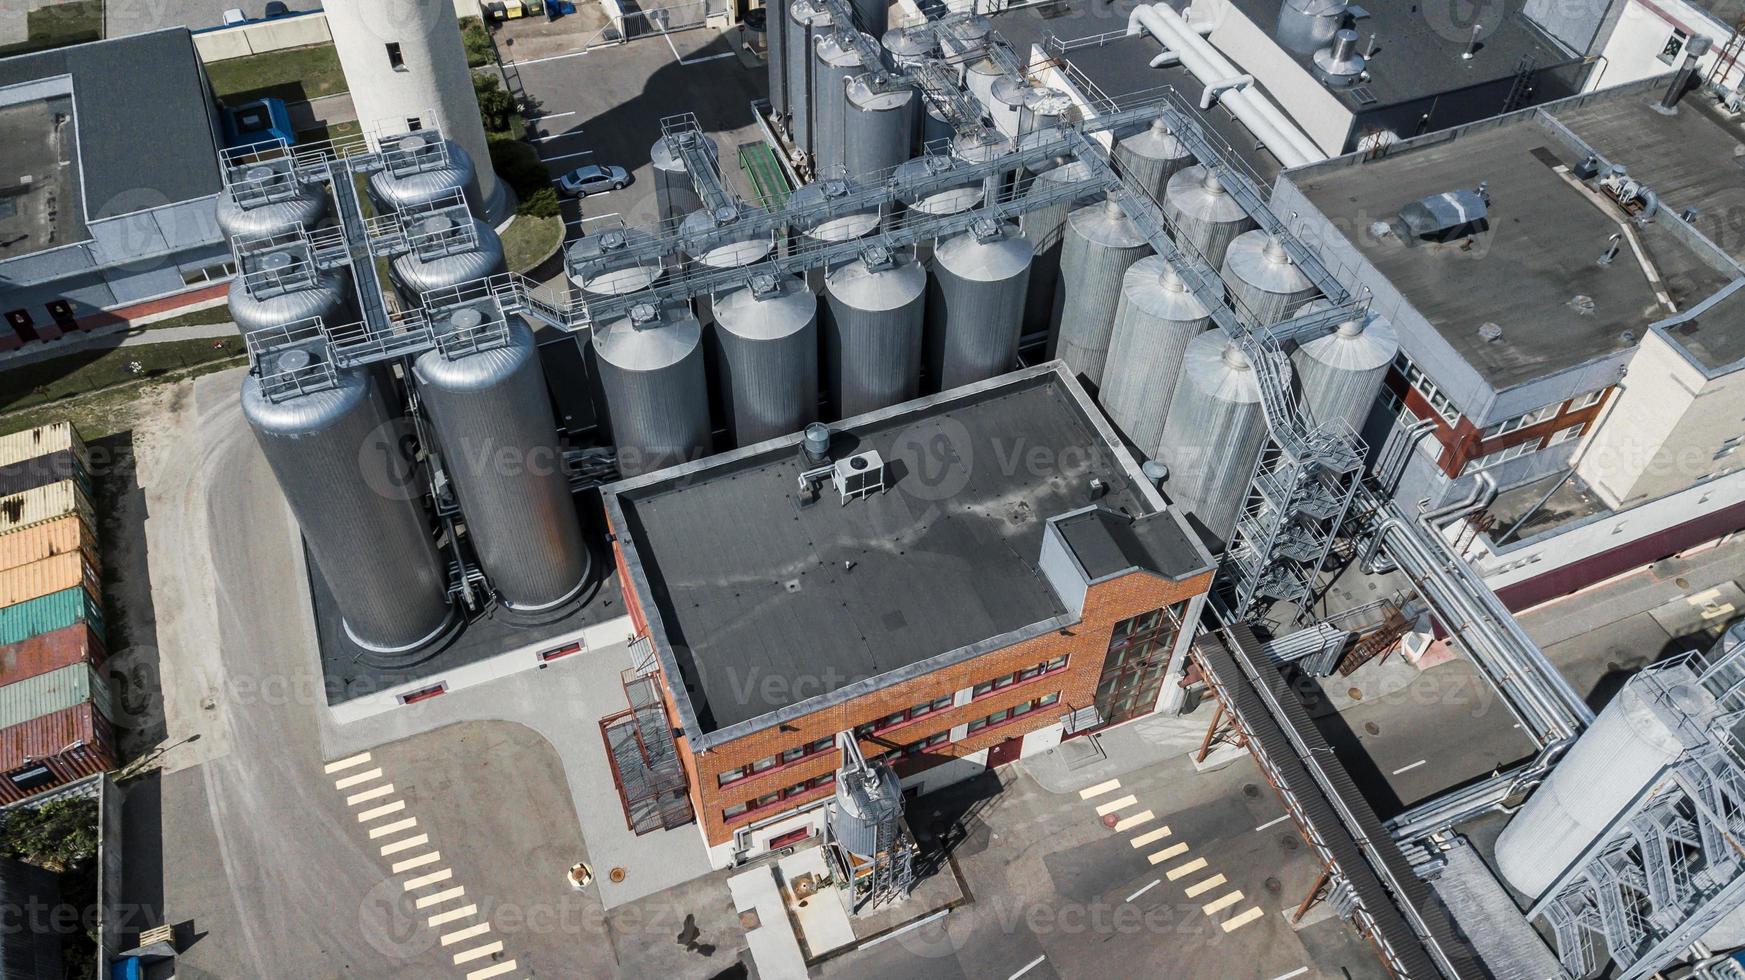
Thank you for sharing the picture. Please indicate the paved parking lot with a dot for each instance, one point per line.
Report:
(605, 107)
(124, 17)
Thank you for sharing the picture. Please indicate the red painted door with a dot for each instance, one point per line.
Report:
(1005, 752)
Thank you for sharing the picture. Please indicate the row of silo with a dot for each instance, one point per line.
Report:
(1214, 431)
(1100, 244)
(1155, 319)
(835, 60)
(1152, 156)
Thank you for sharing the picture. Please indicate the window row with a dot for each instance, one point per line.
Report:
(1015, 711)
(824, 744)
(1538, 415)
(1028, 673)
(896, 718)
(770, 799)
(1524, 448)
(1424, 386)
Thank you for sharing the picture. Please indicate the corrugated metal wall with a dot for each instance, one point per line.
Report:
(55, 611)
(40, 578)
(50, 651)
(33, 697)
(21, 510)
(57, 537)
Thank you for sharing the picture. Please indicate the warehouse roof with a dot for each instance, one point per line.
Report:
(762, 598)
(140, 129)
(1526, 295)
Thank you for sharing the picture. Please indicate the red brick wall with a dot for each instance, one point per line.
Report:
(1462, 441)
(1085, 645)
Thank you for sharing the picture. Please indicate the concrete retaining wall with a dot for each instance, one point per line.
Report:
(256, 37)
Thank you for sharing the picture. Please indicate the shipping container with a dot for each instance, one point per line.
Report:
(42, 471)
(51, 612)
(40, 578)
(21, 510)
(51, 651)
(57, 690)
(54, 750)
(41, 441)
(61, 536)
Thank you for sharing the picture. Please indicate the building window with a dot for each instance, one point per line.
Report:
(1013, 713)
(211, 273)
(1501, 456)
(396, 60)
(771, 799)
(734, 810)
(1588, 400)
(1424, 386)
(1390, 400)
(1534, 417)
(1565, 434)
(1028, 673)
(414, 124)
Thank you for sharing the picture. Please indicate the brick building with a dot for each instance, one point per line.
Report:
(1017, 580)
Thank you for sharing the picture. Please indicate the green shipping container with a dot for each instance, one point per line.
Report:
(51, 612)
(69, 687)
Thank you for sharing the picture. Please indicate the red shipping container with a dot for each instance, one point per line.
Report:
(54, 750)
(50, 651)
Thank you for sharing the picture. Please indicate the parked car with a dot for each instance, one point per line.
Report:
(277, 8)
(593, 179)
(235, 16)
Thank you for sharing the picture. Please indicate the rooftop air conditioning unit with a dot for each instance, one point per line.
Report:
(859, 475)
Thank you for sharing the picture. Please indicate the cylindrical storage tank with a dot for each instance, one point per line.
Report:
(372, 544)
(327, 294)
(907, 48)
(934, 128)
(1213, 432)
(1153, 155)
(863, 808)
(1101, 242)
(1044, 108)
(1043, 228)
(657, 388)
(289, 204)
(975, 304)
(871, 16)
(1006, 104)
(1626, 748)
(614, 262)
(775, 26)
(1156, 319)
(806, 22)
(955, 197)
(674, 194)
(971, 35)
(489, 404)
(841, 228)
(725, 250)
(413, 276)
(1307, 26)
(1342, 373)
(979, 78)
(1267, 285)
(420, 168)
(1204, 213)
(879, 125)
(834, 62)
(874, 312)
(765, 339)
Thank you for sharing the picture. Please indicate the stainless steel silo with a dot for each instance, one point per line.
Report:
(1156, 319)
(437, 266)
(775, 26)
(1267, 285)
(834, 62)
(268, 201)
(1044, 108)
(422, 168)
(1342, 373)
(1006, 98)
(485, 394)
(765, 340)
(657, 388)
(1100, 243)
(1043, 228)
(907, 48)
(867, 809)
(1204, 213)
(806, 22)
(332, 451)
(279, 288)
(975, 304)
(838, 227)
(934, 128)
(965, 38)
(1628, 748)
(871, 16)
(955, 197)
(614, 262)
(723, 244)
(1153, 155)
(879, 125)
(979, 78)
(874, 312)
(674, 194)
(1213, 432)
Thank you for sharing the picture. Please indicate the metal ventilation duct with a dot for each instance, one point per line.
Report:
(1340, 63)
(486, 397)
(358, 504)
(765, 340)
(874, 310)
(975, 304)
(1307, 26)
(1101, 242)
(656, 387)
(1156, 319)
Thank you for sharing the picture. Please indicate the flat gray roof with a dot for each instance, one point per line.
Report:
(1534, 271)
(144, 118)
(765, 599)
(38, 142)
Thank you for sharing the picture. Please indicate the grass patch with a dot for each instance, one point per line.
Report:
(57, 379)
(529, 240)
(104, 413)
(199, 318)
(294, 74)
(60, 25)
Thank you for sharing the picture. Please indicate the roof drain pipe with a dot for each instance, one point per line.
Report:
(1276, 132)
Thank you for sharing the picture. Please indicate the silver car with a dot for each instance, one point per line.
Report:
(593, 179)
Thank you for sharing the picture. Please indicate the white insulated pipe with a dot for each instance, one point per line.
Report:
(1268, 123)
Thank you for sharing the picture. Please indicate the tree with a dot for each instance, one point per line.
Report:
(496, 107)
